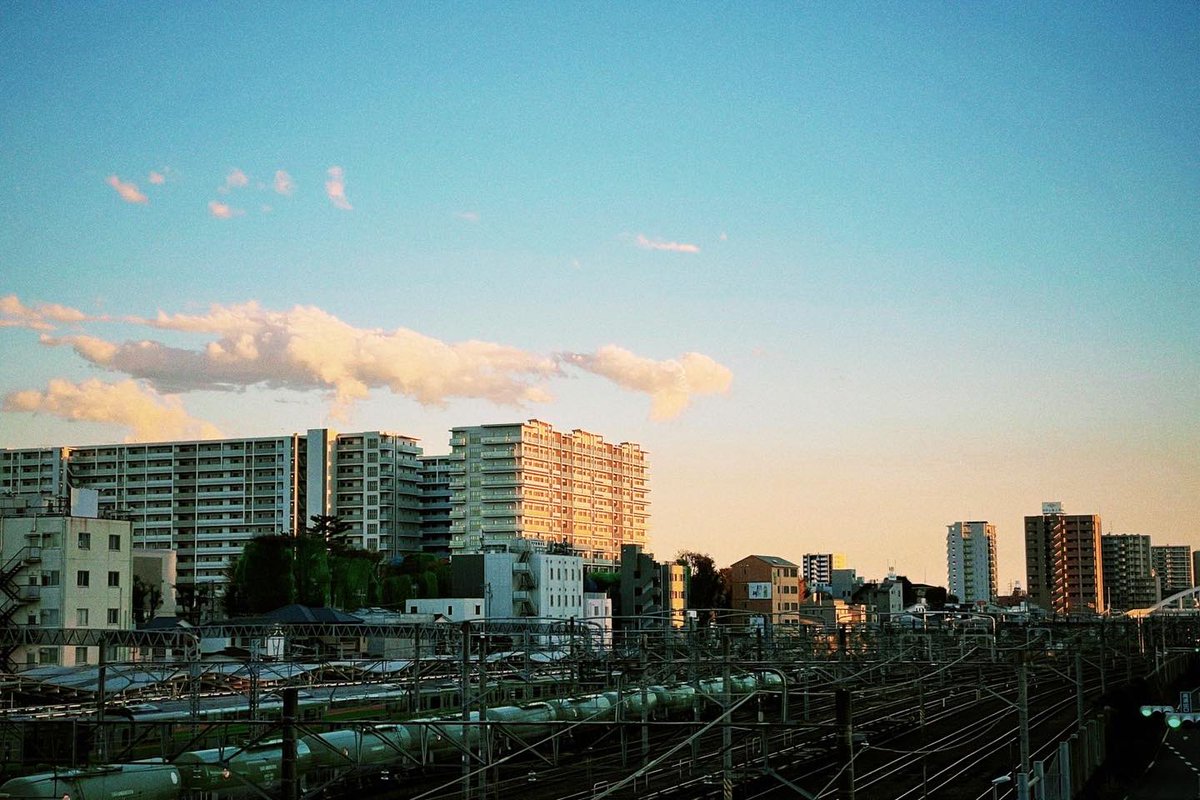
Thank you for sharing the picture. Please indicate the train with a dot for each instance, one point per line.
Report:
(377, 750)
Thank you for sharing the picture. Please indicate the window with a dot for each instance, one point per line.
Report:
(85, 540)
(49, 618)
(114, 542)
(114, 579)
(81, 617)
(51, 578)
(81, 655)
(83, 578)
(114, 616)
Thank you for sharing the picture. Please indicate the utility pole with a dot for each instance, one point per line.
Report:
(1079, 688)
(288, 776)
(485, 744)
(101, 677)
(845, 723)
(726, 732)
(1023, 725)
(465, 687)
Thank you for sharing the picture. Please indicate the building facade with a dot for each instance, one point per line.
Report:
(436, 472)
(767, 585)
(652, 593)
(529, 481)
(1129, 579)
(818, 570)
(62, 571)
(971, 561)
(1062, 561)
(206, 499)
(1173, 565)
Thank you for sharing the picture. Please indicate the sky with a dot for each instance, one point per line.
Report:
(849, 272)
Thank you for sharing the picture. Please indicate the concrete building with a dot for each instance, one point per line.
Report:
(453, 609)
(598, 615)
(843, 583)
(1172, 564)
(767, 585)
(436, 497)
(653, 593)
(529, 481)
(1062, 561)
(206, 499)
(521, 583)
(882, 599)
(971, 561)
(62, 571)
(1129, 580)
(818, 570)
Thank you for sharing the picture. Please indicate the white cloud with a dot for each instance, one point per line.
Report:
(15, 314)
(658, 244)
(148, 414)
(223, 211)
(236, 179)
(671, 384)
(335, 188)
(468, 216)
(283, 183)
(157, 178)
(129, 192)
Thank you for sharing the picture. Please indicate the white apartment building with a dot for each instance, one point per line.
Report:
(529, 481)
(818, 570)
(206, 499)
(971, 561)
(62, 571)
(522, 582)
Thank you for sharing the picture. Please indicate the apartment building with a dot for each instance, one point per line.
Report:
(1172, 564)
(61, 571)
(767, 585)
(1062, 561)
(971, 561)
(653, 594)
(529, 481)
(436, 495)
(818, 569)
(1129, 579)
(206, 499)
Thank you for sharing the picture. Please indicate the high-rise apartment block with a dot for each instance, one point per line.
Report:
(1173, 566)
(529, 481)
(971, 561)
(436, 496)
(206, 499)
(1129, 580)
(818, 569)
(1062, 561)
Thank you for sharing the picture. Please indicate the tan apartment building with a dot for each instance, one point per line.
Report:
(1063, 561)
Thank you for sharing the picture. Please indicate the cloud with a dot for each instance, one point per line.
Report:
(306, 348)
(283, 183)
(671, 384)
(236, 179)
(157, 178)
(150, 415)
(335, 188)
(15, 314)
(223, 211)
(129, 192)
(657, 244)
(724, 237)
(468, 216)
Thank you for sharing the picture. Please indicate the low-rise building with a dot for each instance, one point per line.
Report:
(767, 585)
(652, 593)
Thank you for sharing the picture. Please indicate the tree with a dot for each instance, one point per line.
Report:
(146, 600)
(707, 588)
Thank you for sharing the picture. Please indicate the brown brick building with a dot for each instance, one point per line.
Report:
(767, 585)
(1063, 561)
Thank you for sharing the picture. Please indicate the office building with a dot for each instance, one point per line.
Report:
(1062, 561)
(818, 570)
(206, 499)
(1129, 579)
(971, 561)
(767, 585)
(1173, 566)
(59, 570)
(529, 481)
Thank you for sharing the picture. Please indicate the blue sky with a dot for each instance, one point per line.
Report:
(940, 261)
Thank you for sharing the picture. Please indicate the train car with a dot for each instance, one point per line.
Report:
(114, 782)
(233, 771)
(383, 747)
(675, 699)
(528, 723)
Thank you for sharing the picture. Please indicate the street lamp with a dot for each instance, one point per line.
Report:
(997, 783)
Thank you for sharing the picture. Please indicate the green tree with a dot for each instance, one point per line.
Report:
(707, 588)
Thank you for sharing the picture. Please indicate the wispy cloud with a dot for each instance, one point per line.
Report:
(283, 183)
(335, 188)
(468, 216)
(658, 244)
(223, 211)
(156, 178)
(236, 179)
(129, 192)
(307, 348)
(148, 414)
(671, 383)
(15, 314)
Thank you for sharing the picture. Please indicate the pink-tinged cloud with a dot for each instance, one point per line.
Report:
(658, 244)
(306, 348)
(223, 211)
(157, 178)
(129, 192)
(469, 216)
(283, 183)
(335, 188)
(236, 179)
(149, 415)
(15, 314)
(671, 384)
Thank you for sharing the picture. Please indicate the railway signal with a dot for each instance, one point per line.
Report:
(1150, 711)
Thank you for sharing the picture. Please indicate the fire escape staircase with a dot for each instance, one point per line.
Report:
(15, 595)
(524, 586)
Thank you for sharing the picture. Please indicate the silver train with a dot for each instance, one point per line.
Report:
(370, 749)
